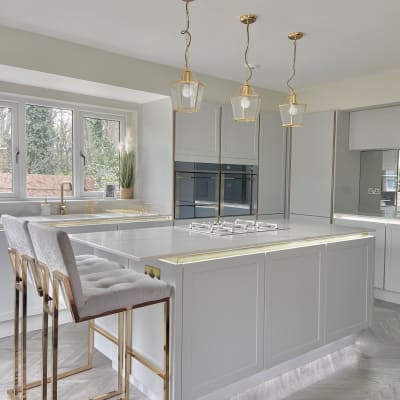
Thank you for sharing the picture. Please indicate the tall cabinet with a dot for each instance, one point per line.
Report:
(212, 136)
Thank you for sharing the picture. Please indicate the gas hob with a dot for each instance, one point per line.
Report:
(239, 226)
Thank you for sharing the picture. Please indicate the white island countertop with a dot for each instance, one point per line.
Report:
(168, 242)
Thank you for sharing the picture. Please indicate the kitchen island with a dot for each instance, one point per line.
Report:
(246, 307)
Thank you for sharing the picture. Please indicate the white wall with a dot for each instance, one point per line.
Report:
(365, 91)
(41, 53)
(154, 163)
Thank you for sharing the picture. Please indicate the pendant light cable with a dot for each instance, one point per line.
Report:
(247, 52)
(293, 68)
(188, 35)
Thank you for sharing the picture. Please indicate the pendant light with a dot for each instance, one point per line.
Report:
(187, 93)
(246, 106)
(292, 112)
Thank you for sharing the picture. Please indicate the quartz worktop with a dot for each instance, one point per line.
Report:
(375, 218)
(166, 242)
(97, 218)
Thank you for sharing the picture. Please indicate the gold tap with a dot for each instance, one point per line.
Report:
(63, 204)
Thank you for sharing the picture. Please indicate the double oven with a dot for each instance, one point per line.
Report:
(207, 190)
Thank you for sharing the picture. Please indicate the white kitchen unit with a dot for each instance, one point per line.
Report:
(239, 140)
(271, 171)
(245, 303)
(312, 165)
(375, 129)
(392, 263)
(379, 229)
(197, 135)
(294, 302)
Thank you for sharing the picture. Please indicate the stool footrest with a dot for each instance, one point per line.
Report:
(146, 363)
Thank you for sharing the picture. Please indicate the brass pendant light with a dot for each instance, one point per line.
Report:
(246, 106)
(292, 112)
(187, 93)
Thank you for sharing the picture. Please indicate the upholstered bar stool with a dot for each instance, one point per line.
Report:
(97, 295)
(21, 255)
(23, 261)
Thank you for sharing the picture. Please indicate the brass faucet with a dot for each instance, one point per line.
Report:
(63, 204)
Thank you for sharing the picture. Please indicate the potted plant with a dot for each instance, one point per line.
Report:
(126, 172)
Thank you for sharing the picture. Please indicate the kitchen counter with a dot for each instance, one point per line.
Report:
(70, 220)
(168, 242)
(392, 219)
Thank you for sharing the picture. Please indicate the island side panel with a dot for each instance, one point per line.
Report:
(349, 287)
(223, 305)
(294, 302)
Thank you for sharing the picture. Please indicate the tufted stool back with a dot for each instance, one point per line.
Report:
(53, 248)
(17, 234)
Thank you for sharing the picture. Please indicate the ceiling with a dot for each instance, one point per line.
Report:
(344, 38)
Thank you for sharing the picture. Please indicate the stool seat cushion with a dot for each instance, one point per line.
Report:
(117, 289)
(89, 263)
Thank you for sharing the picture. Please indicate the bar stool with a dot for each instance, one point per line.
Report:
(21, 255)
(22, 258)
(101, 295)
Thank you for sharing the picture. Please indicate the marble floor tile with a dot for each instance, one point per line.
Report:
(369, 370)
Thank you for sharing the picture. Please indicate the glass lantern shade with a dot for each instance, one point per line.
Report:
(246, 106)
(292, 113)
(187, 94)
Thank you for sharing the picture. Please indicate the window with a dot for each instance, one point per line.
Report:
(101, 138)
(44, 143)
(49, 149)
(6, 151)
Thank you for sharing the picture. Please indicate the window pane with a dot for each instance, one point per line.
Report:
(6, 164)
(49, 149)
(101, 141)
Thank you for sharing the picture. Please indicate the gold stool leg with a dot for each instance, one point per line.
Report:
(55, 340)
(45, 333)
(120, 350)
(16, 334)
(128, 350)
(166, 349)
(24, 326)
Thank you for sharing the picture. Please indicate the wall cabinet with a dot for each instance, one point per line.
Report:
(239, 140)
(375, 129)
(197, 135)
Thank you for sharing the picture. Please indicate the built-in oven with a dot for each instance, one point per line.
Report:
(238, 190)
(196, 190)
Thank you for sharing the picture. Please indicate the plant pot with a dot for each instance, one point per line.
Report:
(126, 193)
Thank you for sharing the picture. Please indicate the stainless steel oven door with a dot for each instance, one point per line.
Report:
(196, 195)
(238, 192)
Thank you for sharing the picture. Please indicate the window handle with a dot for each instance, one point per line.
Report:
(84, 158)
(17, 156)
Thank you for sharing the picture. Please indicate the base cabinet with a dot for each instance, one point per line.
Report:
(349, 287)
(223, 302)
(392, 265)
(294, 281)
(243, 315)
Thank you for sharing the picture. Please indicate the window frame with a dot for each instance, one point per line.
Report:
(18, 103)
(80, 176)
(15, 150)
